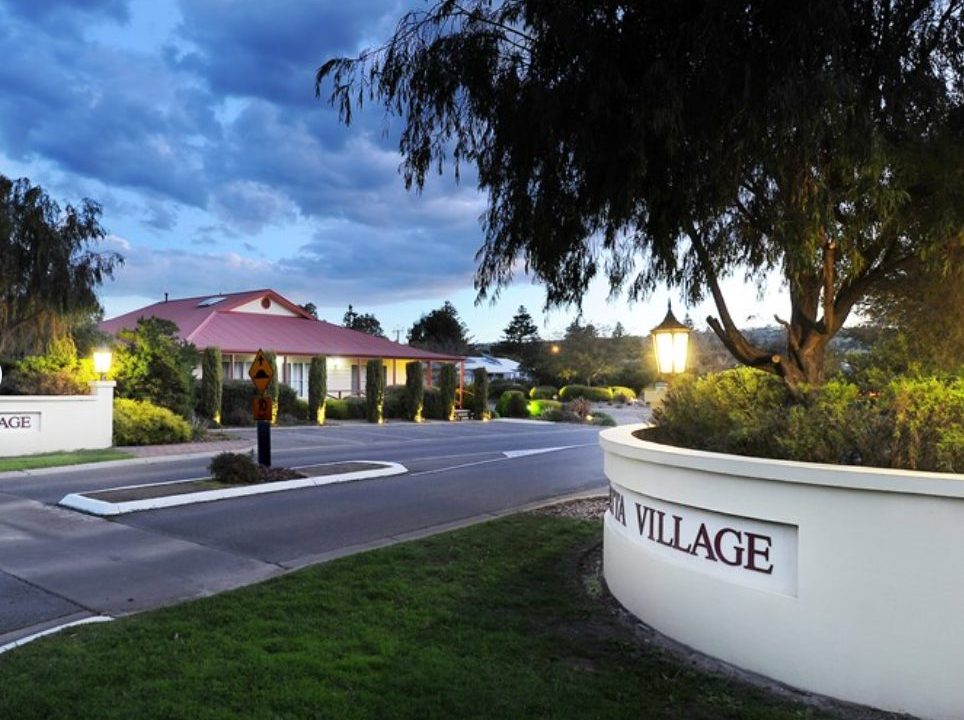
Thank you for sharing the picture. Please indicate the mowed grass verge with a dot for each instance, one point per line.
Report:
(59, 459)
(495, 621)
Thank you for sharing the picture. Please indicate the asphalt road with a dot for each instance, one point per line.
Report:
(57, 565)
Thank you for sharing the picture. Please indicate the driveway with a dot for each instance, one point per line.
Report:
(58, 565)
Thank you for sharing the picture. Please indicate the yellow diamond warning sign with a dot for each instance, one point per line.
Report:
(261, 372)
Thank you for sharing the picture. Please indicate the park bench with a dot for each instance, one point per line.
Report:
(462, 414)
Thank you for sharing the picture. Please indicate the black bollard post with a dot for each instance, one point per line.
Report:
(264, 443)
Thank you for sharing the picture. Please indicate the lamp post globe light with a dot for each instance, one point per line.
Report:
(102, 360)
(671, 343)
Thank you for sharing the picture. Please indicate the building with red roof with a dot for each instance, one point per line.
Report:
(240, 324)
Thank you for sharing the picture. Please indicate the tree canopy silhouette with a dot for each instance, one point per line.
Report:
(685, 142)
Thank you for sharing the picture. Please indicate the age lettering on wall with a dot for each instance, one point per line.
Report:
(19, 421)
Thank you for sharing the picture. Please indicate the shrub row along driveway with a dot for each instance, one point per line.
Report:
(57, 565)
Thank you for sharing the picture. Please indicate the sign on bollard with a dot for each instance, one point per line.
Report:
(261, 373)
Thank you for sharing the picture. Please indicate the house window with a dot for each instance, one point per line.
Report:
(298, 378)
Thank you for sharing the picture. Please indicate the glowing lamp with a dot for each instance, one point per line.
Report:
(671, 341)
(102, 359)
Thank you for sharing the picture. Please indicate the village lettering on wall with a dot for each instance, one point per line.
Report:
(20, 422)
(748, 551)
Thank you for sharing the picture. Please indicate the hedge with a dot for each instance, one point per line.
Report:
(543, 392)
(622, 394)
(538, 408)
(593, 394)
(349, 408)
(236, 399)
(513, 404)
(910, 423)
(499, 386)
(139, 422)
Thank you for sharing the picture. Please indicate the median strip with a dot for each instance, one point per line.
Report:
(155, 496)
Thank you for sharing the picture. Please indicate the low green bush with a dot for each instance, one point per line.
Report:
(433, 407)
(561, 415)
(499, 386)
(911, 423)
(396, 402)
(593, 394)
(622, 394)
(236, 399)
(347, 408)
(538, 408)
(234, 469)
(139, 422)
(603, 420)
(513, 403)
(543, 392)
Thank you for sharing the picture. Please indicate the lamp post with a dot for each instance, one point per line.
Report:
(671, 342)
(102, 360)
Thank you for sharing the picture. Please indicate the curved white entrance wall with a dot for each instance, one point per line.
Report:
(839, 580)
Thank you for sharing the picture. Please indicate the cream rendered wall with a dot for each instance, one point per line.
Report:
(873, 614)
(255, 307)
(57, 422)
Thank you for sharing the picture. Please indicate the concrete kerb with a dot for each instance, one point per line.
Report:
(132, 462)
(103, 508)
(51, 630)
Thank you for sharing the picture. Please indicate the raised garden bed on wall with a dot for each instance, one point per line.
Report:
(846, 581)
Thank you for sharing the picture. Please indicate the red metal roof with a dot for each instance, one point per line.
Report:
(218, 325)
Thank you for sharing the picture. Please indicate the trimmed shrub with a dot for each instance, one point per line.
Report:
(499, 386)
(433, 409)
(593, 394)
(139, 422)
(622, 394)
(209, 391)
(396, 407)
(317, 390)
(738, 411)
(447, 384)
(349, 408)
(59, 372)
(543, 392)
(480, 392)
(513, 404)
(415, 390)
(538, 408)
(236, 399)
(234, 469)
(561, 415)
(603, 420)
(375, 390)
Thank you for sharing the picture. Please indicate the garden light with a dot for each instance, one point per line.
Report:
(670, 340)
(102, 360)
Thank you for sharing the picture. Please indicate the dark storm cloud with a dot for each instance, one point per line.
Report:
(224, 119)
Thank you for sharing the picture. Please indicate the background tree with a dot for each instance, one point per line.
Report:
(585, 355)
(365, 322)
(49, 270)
(520, 330)
(209, 394)
(152, 363)
(317, 390)
(311, 309)
(683, 142)
(440, 330)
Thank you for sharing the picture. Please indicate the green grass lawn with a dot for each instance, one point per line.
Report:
(495, 621)
(58, 459)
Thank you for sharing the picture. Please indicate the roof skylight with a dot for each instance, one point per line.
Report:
(212, 301)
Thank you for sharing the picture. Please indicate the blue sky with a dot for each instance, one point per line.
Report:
(195, 125)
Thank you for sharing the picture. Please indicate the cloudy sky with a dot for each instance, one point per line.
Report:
(194, 124)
